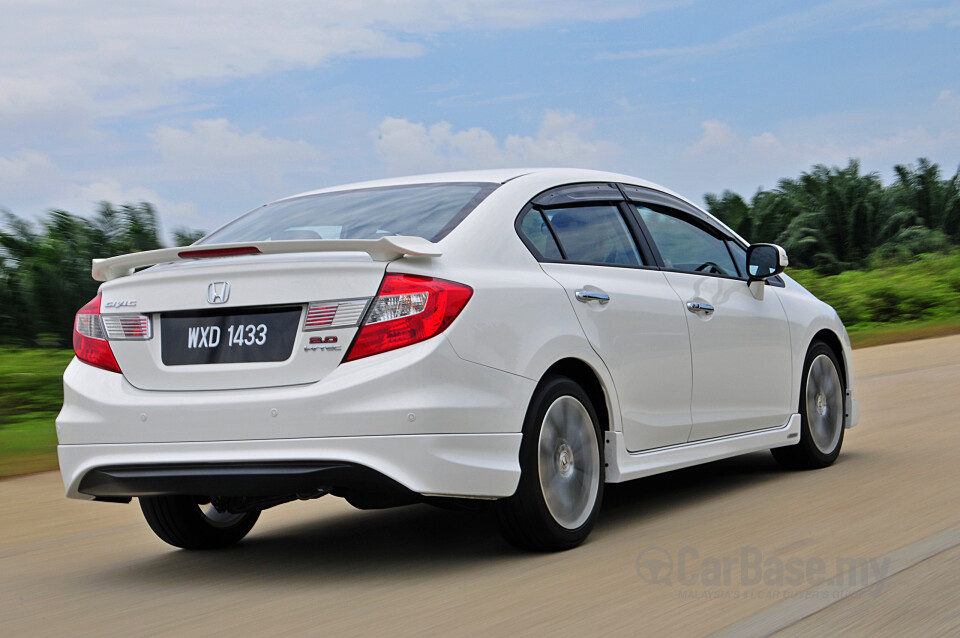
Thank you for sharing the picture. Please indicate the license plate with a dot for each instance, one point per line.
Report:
(237, 336)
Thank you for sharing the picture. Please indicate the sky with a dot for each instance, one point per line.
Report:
(209, 109)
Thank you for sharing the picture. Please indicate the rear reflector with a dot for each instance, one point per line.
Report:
(126, 326)
(334, 314)
(408, 309)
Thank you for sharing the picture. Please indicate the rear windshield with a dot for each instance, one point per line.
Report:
(422, 210)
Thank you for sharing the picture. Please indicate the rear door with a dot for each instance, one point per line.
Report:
(587, 241)
(740, 343)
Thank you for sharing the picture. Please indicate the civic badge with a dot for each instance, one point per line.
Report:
(218, 292)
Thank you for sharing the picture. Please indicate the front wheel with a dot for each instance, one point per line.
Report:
(561, 464)
(822, 397)
(182, 522)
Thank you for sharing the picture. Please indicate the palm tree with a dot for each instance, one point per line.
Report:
(839, 216)
(45, 272)
(935, 201)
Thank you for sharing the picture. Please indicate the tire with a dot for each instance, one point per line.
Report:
(182, 522)
(822, 409)
(561, 471)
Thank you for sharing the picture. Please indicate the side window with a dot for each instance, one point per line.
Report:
(594, 234)
(534, 229)
(686, 247)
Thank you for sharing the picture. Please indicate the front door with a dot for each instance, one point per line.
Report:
(742, 362)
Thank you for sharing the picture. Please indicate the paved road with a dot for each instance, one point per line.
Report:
(737, 547)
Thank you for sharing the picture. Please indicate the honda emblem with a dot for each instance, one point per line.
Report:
(218, 292)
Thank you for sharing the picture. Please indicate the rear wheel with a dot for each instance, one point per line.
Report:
(561, 463)
(822, 396)
(182, 522)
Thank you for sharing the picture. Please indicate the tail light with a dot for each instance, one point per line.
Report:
(407, 310)
(92, 333)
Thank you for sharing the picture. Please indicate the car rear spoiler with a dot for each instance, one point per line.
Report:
(382, 249)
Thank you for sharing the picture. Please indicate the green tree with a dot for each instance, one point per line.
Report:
(732, 211)
(45, 267)
(838, 218)
(183, 236)
(935, 202)
(48, 273)
(839, 215)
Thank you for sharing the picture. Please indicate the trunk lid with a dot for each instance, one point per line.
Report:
(242, 322)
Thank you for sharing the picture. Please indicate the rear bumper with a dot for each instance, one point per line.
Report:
(233, 479)
(421, 389)
(420, 416)
(457, 465)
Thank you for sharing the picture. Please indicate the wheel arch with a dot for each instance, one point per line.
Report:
(833, 342)
(587, 378)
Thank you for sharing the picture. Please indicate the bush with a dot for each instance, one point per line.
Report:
(928, 288)
(908, 243)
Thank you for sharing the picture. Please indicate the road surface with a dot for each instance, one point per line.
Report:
(737, 547)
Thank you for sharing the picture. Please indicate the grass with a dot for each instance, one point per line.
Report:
(895, 303)
(926, 290)
(31, 393)
(885, 305)
(878, 335)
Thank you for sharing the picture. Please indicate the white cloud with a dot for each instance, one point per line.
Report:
(217, 149)
(39, 184)
(726, 158)
(215, 158)
(110, 190)
(84, 198)
(562, 140)
(811, 21)
(716, 135)
(443, 87)
(32, 108)
(948, 99)
(920, 18)
(128, 56)
(28, 173)
(479, 99)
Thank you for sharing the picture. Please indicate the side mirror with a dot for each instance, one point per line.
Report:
(765, 261)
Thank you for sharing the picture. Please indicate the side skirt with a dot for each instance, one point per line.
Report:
(624, 466)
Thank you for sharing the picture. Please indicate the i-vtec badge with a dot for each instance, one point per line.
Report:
(218, 292)
(126, 303)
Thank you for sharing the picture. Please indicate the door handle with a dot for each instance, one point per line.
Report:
(696, 306)
(586, 296)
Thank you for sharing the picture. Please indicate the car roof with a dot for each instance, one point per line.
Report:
(557, 176)
(500, 176)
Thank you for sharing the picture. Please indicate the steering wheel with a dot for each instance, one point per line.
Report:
(710, 267)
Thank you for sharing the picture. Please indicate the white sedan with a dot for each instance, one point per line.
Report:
(508, 340)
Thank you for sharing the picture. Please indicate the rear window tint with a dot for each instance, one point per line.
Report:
(535, 230)
(430, 211)
(594, 234)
